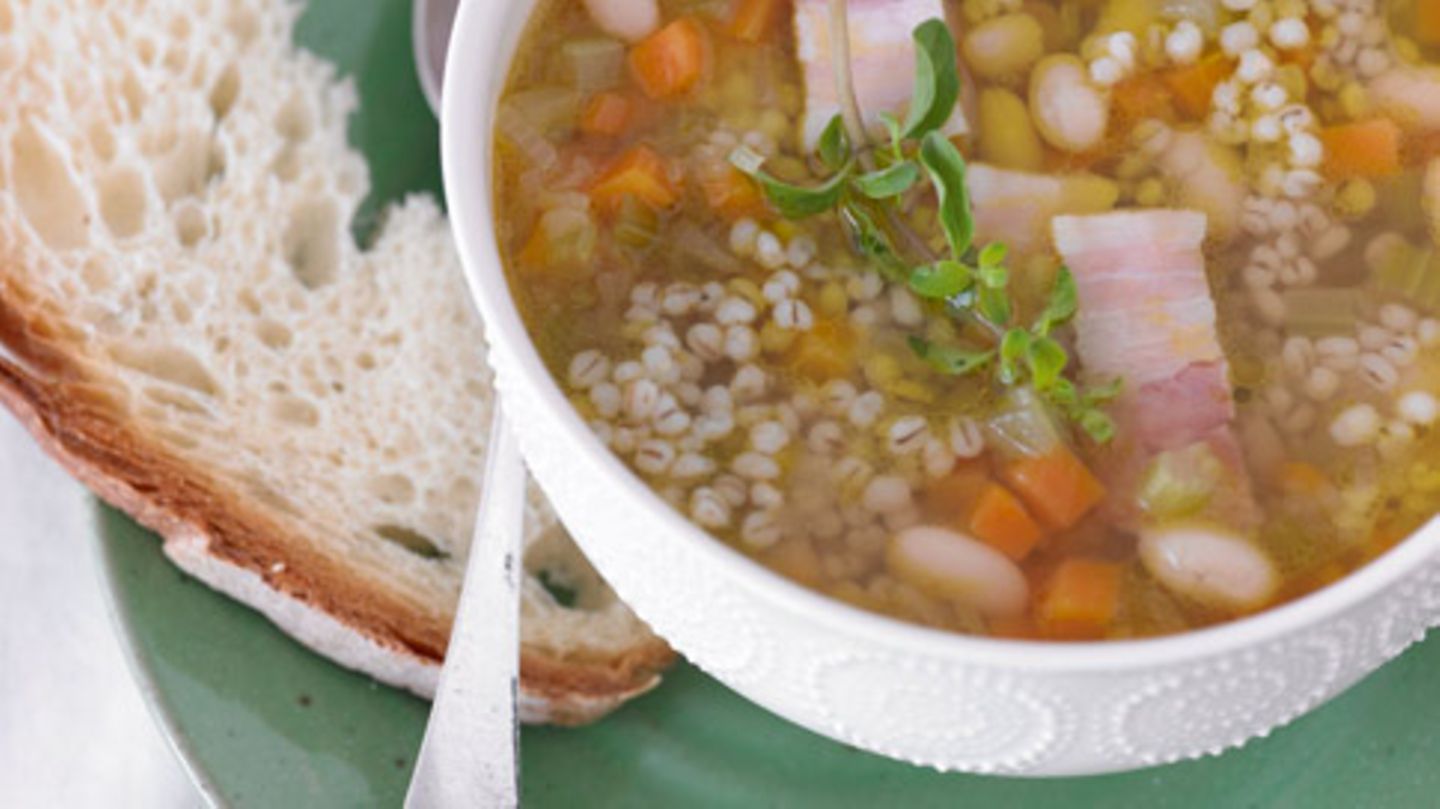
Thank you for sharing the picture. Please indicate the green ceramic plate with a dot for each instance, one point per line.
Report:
(261, 722)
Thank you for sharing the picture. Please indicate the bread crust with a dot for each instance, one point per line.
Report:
(215, 534)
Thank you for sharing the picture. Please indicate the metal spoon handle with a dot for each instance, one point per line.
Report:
(469, 756)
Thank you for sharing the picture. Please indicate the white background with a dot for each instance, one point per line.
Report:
(74, 729)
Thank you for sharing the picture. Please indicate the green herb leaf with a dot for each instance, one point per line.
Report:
(1063, 393)
(1097, 424)
(872, 242)
(1013, 348)
(793, 201)
(937, 79)
(892, 125)
(994, 277)
(1062, 304)
(1102, 394)
(950, 360)
(943, 279)
(993, 254)
(888, 182)
(994, 305)
(1047, 360)
(947, 173)
(834, 146)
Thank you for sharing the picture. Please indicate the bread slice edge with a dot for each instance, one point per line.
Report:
(229, 550)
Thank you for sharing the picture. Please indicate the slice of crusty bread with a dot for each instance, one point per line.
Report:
(191, 328)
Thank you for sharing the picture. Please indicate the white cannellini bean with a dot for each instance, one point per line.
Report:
(1184, 43)
(1418, 407)
(1398, 318)
(630, 20)
(1238, 38)
(949, 565)
(627, 371)
(680, 299)
(1209, 566)
(839, 394)
(793, 314)
(1297, 355)
(1356, 426)
(1069, 111)
(886, 494)
(905, 307)
(1401, 351)
(1373, 338)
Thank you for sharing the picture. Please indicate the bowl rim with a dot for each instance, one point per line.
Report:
(476, 69)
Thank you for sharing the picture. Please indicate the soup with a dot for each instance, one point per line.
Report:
(1062, 320)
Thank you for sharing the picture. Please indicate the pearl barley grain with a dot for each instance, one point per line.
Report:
(1356, 426)
(1418, 407)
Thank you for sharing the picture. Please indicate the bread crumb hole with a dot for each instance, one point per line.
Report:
(176, 58)
(47, 192)
(295, 120)
(191, 225)
(224, 93)
(413, 541)
(122, 202)
(295, 411)
(392, 489)
(168, 364)
(133, 94)
(243, 24)
(145, 49)
(182, 312)
(366, 361)
(175, 400)
(185, 167)
(312, 243)
(102, 140)
(180, 26)
(274, 335)
(7, 18)
(564, 573)
(95, 274)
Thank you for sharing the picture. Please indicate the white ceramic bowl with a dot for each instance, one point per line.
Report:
(929, 697)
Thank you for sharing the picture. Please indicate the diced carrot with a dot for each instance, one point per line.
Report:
(1420, 148)
(1362, 149)
(1140, 98)
(1080, 598)
(755, 20)
(1297, 477)
(950, 498)
(1427, 22)
(535, 251)
(1302, 58)
(670, 61)
(731, 194)
(1001, 521)
(641, 173)
(825, 352)
(1058, 488)
(1194, 85)
(607, 114)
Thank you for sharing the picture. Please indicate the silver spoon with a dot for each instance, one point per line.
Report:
(469, 756)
